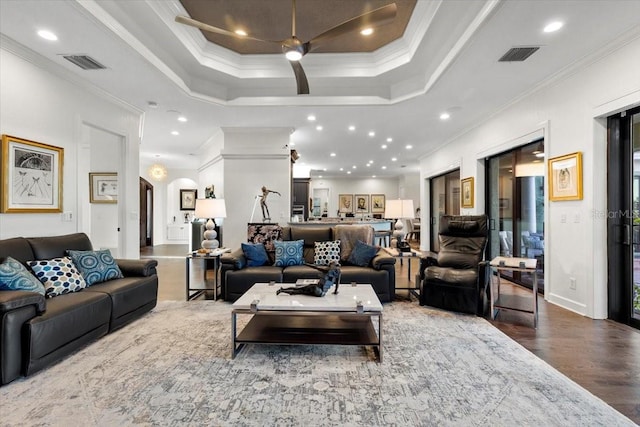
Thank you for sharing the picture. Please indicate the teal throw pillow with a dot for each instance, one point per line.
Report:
(59, 276)
(255, 253)
(96, 266)
(15, 277)
(362, 254)
(288, 253)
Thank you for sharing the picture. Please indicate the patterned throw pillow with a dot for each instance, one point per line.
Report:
(326, 252)
(362, 254)
(59, 276)
(96, 266)
(255, 253)
(288, 253)
(15, 277)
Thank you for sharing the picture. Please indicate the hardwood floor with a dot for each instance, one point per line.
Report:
(601, 355)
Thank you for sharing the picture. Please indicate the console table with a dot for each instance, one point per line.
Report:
(514, 302)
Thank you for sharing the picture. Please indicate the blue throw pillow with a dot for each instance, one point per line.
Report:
(15, 277)
(96, 266)
(255, 253)
(362, 254)
(288, 253)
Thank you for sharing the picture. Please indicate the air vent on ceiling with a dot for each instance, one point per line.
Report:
(85, 62)
(516, 54)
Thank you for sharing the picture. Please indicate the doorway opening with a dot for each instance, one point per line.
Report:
(146, 213)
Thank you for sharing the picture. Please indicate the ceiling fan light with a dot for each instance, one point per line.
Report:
(293, 55)
(367, 31)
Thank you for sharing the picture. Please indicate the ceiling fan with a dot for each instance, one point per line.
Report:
(294, 48)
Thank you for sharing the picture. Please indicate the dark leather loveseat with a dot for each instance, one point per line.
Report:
(36, 331)
(237, 278)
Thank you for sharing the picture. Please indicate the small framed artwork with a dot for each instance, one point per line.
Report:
(362, 203)
(30, 176)
(503, 204)
(188, 200)
(467, 192)
(565, 177)
(377, 203)
(345, 203)
(103, 187)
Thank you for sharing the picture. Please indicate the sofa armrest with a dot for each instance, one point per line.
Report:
(381, 259)
(12, 300)
(234, 260)
(137, 267)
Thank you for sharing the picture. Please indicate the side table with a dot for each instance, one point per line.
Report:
(214, 255)
(513, 302)
(415, 290)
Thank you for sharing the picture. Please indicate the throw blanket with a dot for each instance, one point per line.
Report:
(349, 235)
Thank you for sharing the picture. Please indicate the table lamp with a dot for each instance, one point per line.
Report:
(399, 209)
(210, 209)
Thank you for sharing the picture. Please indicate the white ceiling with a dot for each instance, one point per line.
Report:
(446, 61)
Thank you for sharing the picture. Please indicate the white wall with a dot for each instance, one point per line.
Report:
(336, 186)
(569, 113)
(38, 103)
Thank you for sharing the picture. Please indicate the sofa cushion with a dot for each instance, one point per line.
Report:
(96, 266)
(255, 253)
(56, 246)
(362, 254)
(310, 235)
(326, 252)
(59, 276)
(15, 277)
(288, 253)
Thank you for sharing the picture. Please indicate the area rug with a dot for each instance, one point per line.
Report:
(173, 367)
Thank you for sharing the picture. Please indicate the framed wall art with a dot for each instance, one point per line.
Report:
(362, 203)
(188, 200)
(30, 176)
(103, 187)
(467, 192)
(565, 177)
(345, 203)
(377, 203)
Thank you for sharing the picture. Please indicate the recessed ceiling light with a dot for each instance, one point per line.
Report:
(373, 176)
(444, 116)
(372, 134)
(389, 139)
(319, 127)
(553, 26)
(353, 167)
(311, 118)
(370, 161)
(332, 154)
(325, 169)
(175, 132)
(348, 172)
(182, 119)
(384, 167)
(240, 32)
(47, 35)
(352, 128)
(368, 164)
(383, 146)
(367, 31)
(409, 147)
(394, 159)
(341, 169)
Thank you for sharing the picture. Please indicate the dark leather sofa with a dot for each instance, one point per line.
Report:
(237, 278)
(36, 331)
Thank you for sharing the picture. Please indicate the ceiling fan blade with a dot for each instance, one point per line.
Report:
(210, 28)
(380, 16)
(301, 78)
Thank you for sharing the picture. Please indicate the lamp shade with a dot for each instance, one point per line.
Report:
(399, 209)
(210, 208)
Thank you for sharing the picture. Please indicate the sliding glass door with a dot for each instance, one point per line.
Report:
(445, 200)
(515, 205)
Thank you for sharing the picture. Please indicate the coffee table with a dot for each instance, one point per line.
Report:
(345, 318)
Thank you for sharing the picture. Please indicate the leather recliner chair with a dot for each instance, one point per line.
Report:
(458, 279)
